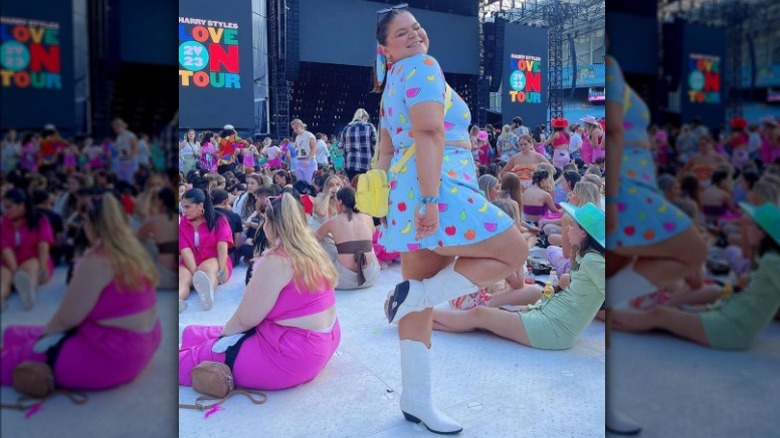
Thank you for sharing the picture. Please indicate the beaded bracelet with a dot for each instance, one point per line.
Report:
(426, 201)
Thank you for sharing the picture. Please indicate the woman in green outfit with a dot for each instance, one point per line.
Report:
(556, 324)
(737, 322)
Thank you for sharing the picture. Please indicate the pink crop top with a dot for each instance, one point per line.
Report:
(115, 302)
(293, 303)
(561, 140)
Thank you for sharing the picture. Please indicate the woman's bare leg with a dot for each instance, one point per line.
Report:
(505, 324)
(683, 324)
(419, 265)
(185, 282)
(516, 297)
(6, 279)
(666, 262)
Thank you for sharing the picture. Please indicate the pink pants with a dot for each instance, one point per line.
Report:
(96, 357)
(274, 357)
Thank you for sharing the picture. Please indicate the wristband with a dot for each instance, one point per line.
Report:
(220, 273)
(425, 201)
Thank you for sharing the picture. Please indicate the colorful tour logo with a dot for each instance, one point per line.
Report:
(29, 53)
(525, 79)
(208, 53)
(704, 78)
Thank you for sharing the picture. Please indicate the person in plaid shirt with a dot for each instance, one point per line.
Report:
(358, 138)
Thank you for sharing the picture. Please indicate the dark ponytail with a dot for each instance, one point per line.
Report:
(198, 196)
(31, 215)
(347, 197)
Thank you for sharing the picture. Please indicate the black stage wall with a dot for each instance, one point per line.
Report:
(525, 79)
(344, 32)
(36, 65)
(337, 49)
(633, 41)
(215, 64)
(704, 51)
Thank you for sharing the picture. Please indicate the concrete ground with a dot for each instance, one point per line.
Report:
(143, 408)
(494, 387)
(675, 388)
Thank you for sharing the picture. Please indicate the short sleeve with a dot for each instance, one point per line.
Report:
(45, 232)
(593, 265)
(224, 232)
(185, 234)
(423, 81)
(615, 84)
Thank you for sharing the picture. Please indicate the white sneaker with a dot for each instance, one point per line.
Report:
(24, 286)
(205, 291)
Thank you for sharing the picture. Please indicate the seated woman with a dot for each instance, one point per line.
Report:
(703, 163)
(716, 199)
(25, 240)
(556, 324)
(161, 232)
(536, 201)
(108, 315)
(352, 249)
(204, 239)
(325, 203)
(737, 323)
(560, 250)
(287, 312)
(523, 164)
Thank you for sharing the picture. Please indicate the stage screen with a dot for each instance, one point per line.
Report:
(36, 65)
(633, 41)
(525, 78)
(215, 64)
(344, 32)
(703, 92)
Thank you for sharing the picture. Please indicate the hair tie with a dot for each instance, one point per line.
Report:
(381, 65)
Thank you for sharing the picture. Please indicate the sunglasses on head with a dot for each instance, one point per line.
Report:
(398, 7)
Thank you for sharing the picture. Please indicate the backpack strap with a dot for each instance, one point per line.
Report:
(410, 151)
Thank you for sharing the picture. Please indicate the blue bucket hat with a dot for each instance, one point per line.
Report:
(590, 218)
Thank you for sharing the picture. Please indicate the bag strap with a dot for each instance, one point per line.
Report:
(410, 151)
(77, 397)
(248, 393)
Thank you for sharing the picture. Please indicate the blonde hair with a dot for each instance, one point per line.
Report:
(588, 192)
(360, 114)
(267, 141)
(550, 176)
(298, 122)
(510, 207)
(132, 265)
(512, 188)
(312, 267)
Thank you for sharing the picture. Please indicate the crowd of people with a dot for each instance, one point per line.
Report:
(279, 206)
(102, 215)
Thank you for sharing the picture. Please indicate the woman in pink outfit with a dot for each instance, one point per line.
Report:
(285, 329)
(106, 325)
(204, 239)
(25, 238)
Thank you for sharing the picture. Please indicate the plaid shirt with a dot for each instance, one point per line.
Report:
(358, 139)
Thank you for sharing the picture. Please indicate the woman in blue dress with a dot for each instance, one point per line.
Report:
(452, 240)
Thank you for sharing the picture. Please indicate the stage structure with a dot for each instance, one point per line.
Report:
(562, 20)
(322, 77)
(742, 20)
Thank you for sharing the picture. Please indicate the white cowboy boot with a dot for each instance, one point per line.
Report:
(413, 296)
(416, 399)
(620, 424)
